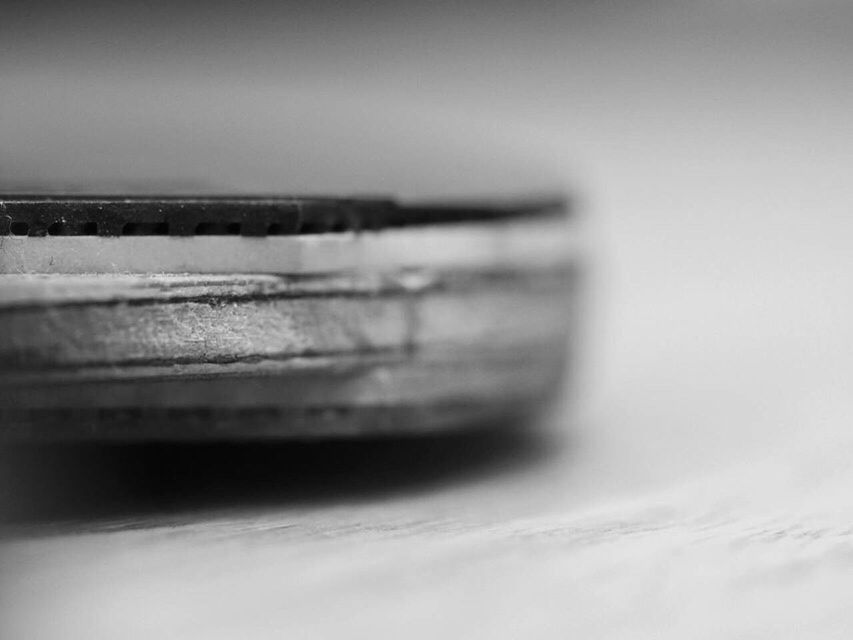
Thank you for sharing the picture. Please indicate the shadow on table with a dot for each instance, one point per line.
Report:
(57, 488)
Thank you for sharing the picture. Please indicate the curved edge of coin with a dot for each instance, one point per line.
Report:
(273, 348)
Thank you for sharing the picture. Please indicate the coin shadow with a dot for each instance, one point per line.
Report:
(56, 488)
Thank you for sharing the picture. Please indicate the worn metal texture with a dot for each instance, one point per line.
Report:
(394, 331)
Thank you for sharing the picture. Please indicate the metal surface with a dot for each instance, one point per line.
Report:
(345, 333)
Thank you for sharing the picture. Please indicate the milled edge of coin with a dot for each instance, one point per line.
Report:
(416, 386)
(255, 216)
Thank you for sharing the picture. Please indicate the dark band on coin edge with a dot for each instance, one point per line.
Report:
(40, 216)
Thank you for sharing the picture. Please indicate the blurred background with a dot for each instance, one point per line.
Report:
(709, 145)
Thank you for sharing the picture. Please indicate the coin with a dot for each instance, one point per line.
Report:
(278, 317)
